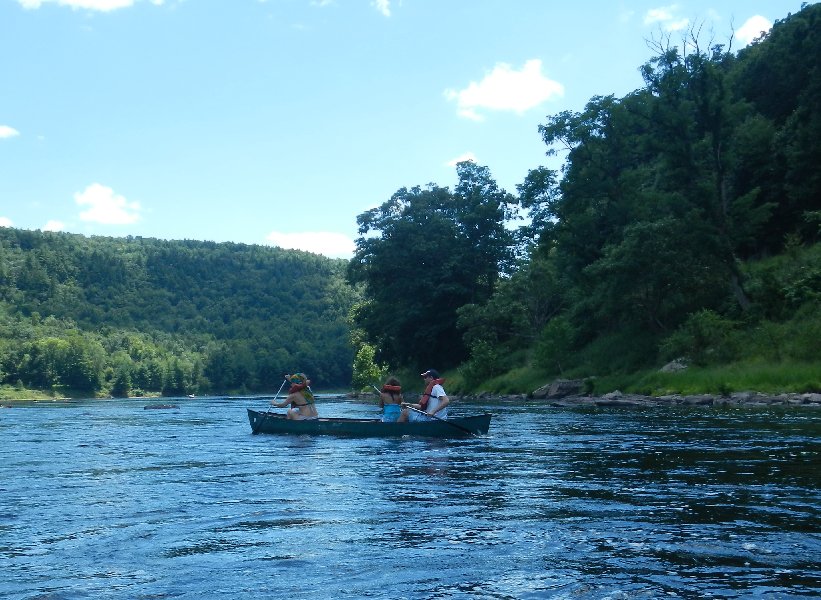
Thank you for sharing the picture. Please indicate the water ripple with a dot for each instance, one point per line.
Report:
(102, 499)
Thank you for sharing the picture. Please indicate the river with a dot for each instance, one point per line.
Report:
(104, 499)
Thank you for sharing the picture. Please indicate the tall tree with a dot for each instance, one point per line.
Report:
(421, 256)
(780, 76)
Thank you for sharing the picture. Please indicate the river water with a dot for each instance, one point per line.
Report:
(104, 499)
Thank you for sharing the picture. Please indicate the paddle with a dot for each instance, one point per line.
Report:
(452, 424)
(255, 430)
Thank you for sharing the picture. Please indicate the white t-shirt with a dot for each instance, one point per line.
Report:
(433, 403)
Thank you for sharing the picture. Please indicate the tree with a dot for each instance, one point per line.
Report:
(421, 256)
(406, 270)
(498, 331)
(538, 195)
(121, 384)
(366, 372)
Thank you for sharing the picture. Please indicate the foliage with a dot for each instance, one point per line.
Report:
(705, 338)
(780, 285)
(366, 373)
(132, 316)
(652, 243)
(486, 361)
(554, 344)
(779, 77)
(515, 380)
(796, 339)
(424, 254)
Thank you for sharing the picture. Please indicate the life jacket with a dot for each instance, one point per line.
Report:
(424, 398)
(392, 391)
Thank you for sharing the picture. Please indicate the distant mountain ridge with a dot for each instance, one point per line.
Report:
(238, 315)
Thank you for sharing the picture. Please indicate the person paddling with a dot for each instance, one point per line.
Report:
(390, 399)
(433, 404)
(300, 398)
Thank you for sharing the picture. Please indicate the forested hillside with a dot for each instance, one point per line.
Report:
(131, 316)
(684, 223)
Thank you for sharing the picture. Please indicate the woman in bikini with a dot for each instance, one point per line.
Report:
(390, 399)
(300, 398)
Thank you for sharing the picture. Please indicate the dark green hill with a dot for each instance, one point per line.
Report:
(175, 316)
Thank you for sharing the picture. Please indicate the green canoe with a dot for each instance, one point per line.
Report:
(269, 422)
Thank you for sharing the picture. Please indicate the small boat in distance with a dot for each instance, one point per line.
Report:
(269, 422)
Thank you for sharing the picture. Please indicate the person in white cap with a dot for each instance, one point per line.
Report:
(433, 404)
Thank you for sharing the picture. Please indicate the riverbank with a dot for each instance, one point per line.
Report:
(560, 398)
(615, 399)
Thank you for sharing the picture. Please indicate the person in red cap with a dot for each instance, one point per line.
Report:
(433, 404)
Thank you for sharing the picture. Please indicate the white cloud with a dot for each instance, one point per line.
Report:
(101, 5)
(106, 207)
(753, 28)
(660, 15)
(383, 6)
(505, 89)
(677, 25)
(462, 158)
(666, 17)
(7, 132)
(54, 226)
(334, 245)
(6, 222)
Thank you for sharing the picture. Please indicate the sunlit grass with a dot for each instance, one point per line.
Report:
(8, 392)
(521, 380)
(769, 378)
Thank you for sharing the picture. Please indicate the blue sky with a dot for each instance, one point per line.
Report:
(277, 122)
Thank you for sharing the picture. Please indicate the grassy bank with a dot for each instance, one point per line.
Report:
(769, 378)
(738, 377)
(11, 393)
(8, 393)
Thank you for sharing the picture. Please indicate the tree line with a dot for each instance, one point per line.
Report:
(684, 222)
(129, 316)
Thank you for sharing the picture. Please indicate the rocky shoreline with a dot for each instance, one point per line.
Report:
(570, 393)
(615, 399)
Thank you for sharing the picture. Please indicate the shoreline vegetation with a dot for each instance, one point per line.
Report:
(754, 384)
(613, 399)
(676, 384)
(619, 399)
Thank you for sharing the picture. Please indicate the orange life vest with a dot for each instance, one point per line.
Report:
(424, 398)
